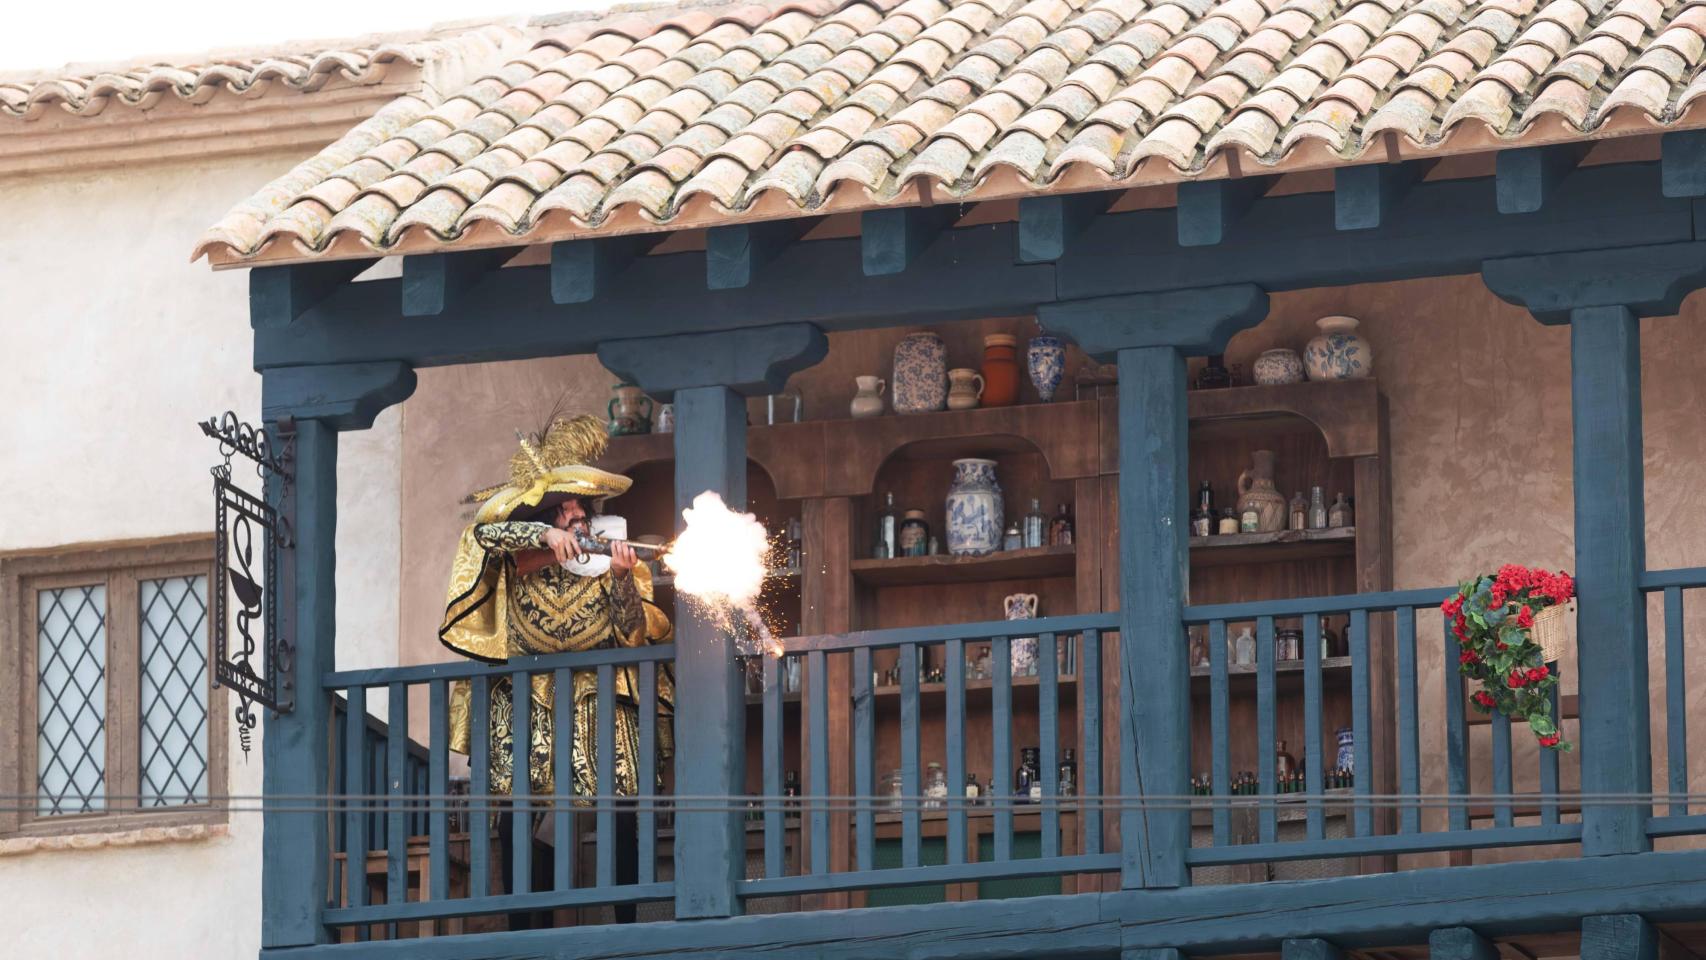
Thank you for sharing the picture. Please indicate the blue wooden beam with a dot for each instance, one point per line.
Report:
(1366, 196)
(734, 254)
(582, 270)
(1527, 178)
(1198, 321)
(892, 239)
(1310, 948)
(347, 396)
(1623, 936)
(295, 751)
(1208, 208)
(1460, 943)
(1650, 281)
(279, 295)
(1682, 163)
(1048, 226)
(433, 281)
(751, 362)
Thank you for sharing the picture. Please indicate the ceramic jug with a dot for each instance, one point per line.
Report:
(975, 508)
(1000, 370)
(868, 398)
(920, 381)
(1338, 352)
(1022, 654)
(965, 388)
(1256, 489)
(629, 410)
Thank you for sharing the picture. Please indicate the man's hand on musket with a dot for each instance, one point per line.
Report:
(561, 543)
(622, 558)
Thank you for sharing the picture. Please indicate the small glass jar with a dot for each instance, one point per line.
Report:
(935, 787)
(895, 785)
(1012, 539)
(1228, 522)
(1244, 649)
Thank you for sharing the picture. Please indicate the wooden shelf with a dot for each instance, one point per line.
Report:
(933, 690)
(1333, 670)
(1233, 548)
(944, 569)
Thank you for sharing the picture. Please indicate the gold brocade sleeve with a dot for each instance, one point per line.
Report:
(475, 610)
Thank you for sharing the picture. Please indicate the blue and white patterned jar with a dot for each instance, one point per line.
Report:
(975, 509)
(920, 381)
(1278, 366)
(1347, 756)
(1046, 360)
(1338, 352)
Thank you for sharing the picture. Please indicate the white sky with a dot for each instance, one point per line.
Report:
(50, 34)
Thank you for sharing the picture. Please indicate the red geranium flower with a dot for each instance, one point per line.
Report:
(1550, 740)
(1516, 680)
(1468, 656)
(1484, 698)
(1525, 616)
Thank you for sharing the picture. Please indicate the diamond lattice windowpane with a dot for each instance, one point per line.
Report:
(173, 629)
(71, 699)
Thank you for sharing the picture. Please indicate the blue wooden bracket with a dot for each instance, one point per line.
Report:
(582, 269)
(1460, 943)
(1365, 197)
(1198, 321)
(1682, 163)
(1311, 948)
(1650, 281)
(433, 281)
(278, 295)
(750, 362)
(345, 396)
(1619, 936)
(734, 254)
(1526, 178)
(1209, 208)
(892, 238)
(1048, 226)
(1152, 953)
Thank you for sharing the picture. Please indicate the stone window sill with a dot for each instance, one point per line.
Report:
(94, 840)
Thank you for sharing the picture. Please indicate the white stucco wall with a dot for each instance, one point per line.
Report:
(112, 346)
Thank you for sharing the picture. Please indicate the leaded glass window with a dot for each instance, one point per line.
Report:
(71, 699)
(173, 701)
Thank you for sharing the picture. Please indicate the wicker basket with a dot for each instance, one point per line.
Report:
(1552, 630)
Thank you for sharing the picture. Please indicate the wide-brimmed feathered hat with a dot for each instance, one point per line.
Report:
(549, 469)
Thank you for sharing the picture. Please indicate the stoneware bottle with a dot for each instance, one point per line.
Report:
(868, 400)
(1338, 352)
(920, 381)
(1256, 490)
(1000, 370)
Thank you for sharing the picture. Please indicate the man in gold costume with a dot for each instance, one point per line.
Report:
(521, 586)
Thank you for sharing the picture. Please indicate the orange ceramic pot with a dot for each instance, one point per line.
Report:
(1000, 370)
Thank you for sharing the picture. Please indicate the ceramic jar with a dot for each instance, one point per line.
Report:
(1022, 652)
(868, 396)
(1000, 370)
(1347, 755)
(1256, 490)
(629, 410)
(1338, 352)
(1046, 361)
(920, 381)
(975, 508)
(965, 388)
(666, 419)
(914, 538)
(1278, 366)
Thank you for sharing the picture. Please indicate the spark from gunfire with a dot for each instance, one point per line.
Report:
(719, 561)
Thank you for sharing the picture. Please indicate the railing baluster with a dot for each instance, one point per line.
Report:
(1409, 740)
(356, 783)
(1362, 723)
(1048, 730)
(817, 677)
(1267, 829)
(1219, 721)
(1502, 779)
(1090, 776)
(864, 732)
(1549, 775)
(1001, 725)
(1312, 763)
(606, 819)
(1676, 703)
(397, 768)
(775, 839)
(438, 786)
(647, 773)
(521, 782)
(563, 777)
(954, 746)
(910, 819)
(1456, 735)
(480, 786)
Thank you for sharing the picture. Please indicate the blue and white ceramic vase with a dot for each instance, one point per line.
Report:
(1347, 758)
(975, 509)
(920, 381)
(1277, 367)
(1338, 352)
(1046, 360)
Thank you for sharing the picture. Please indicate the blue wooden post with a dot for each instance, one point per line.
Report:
(708, 375)
(1621, 936)
(1149, 336)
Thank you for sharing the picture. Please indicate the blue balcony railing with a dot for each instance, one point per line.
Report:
(1672, 817)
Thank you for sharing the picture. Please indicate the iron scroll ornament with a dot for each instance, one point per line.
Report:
(259, 669)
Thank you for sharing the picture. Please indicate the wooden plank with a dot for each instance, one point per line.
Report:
(396, 825)
(583, 270)
(1031, 563)
(521, 781)
(1549, 773)
(1625, 936)
(604, 863)
(1366, 196)
(954, 746)
(278, 296)
(347, 396)
(355, 811)
(1049, 226)
(562, 762)
(735, 253)
(438, 785)
(933, 875)
(505, 903)
(1220, 732)
(817, 680)
(1278, 547)
(1682, 163)
(892, 239)
(1090, 713)
(1371, 602)
(433, 281)
(1384, 844)
(864, 733)
(1001, 760)
(894, 637)
(1312, 734)
(647, 820)
(910, 786)
(1676, 701)
(1208, 208)
(1527, 178)
(1409, 736)
(1456, 735)
(479, 786)
(1460, 943)
(775, 844)
(1267, 818)
(1362, 721)
(1048, 735)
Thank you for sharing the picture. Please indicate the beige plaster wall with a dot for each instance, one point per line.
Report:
(112, 346)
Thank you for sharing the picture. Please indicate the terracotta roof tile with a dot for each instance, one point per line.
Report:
(719, 106)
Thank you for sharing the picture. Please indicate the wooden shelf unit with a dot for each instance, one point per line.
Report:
(944, 569)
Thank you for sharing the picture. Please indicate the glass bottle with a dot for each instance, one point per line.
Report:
(1338, 515)
(1284, 763)
(791, 789)
(973, 789)
(1203, 518)
(1036, 526)
(1012, 539)
(1228, 521)
(1028, 779)
(1250, 521)
(1317, 509)
(1060, 531)
(888, 526)
(1244, 648)
(1067, 785)
(935, 787)
(1299, 512)
(1214, 375)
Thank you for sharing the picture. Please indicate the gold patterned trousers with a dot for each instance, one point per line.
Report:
(583, 755)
